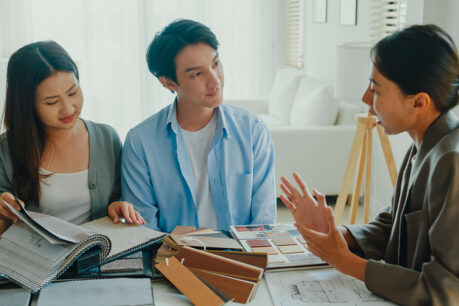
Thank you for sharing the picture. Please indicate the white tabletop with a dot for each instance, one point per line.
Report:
(315, 287)
(165, 294)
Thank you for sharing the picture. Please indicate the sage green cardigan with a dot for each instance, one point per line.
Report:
(103, 174)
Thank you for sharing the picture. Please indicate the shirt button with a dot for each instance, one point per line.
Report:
(92, 186)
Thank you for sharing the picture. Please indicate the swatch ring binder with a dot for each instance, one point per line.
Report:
(39, 248)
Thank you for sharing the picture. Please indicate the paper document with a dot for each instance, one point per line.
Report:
(319, 287)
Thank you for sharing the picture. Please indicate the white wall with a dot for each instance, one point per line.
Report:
(321, 39)
(444, 13)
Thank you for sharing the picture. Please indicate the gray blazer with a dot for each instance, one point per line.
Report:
(103, 173)
(417, 237)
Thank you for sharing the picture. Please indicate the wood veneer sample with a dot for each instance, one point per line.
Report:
(199, 259)
(255, 259)
(188, 283)
(241, 290)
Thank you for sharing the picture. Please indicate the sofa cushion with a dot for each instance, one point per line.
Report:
(282, 94)
(271, 120)
(348, 112)
(314, 104)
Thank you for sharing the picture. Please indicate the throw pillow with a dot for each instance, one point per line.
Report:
(314, 105)
(282, 94)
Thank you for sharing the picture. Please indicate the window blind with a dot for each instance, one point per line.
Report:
(294, 32)
(387, 17)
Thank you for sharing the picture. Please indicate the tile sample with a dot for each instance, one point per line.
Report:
(258, 243)
(269, 250)
(284, 241)
(290, 249)
(301, 240)
(275, 259)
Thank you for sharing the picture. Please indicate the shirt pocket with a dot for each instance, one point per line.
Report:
(414, 232)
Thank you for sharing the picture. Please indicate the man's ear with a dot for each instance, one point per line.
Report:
(168, 83)
(421, 100)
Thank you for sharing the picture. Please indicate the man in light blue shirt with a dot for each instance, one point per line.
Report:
(197, 162)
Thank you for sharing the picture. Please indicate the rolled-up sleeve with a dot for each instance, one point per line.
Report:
(136, 184)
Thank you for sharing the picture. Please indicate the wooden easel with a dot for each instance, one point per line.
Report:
(361, 155)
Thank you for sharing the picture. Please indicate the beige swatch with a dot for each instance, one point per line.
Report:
(283, 241)
(301, 240)
(269, 250)
(275, 259)
(290, 249)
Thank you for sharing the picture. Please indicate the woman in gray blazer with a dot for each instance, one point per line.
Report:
(410, 252)
(50, 158)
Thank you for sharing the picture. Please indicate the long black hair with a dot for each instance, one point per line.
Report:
(27, 68)
(421, 58)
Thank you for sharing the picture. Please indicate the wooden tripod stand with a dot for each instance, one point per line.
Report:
(361, 155)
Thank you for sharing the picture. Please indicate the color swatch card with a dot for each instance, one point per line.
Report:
(282, 242)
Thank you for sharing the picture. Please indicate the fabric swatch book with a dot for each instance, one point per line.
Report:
(39, 248)
(284, 245)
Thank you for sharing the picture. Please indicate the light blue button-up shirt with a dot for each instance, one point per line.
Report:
(158, 179)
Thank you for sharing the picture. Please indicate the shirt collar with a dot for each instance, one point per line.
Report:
(171, 122)
(222, 121)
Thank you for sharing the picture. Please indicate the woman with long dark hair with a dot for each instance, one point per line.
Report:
(51, 159)
(410, 252)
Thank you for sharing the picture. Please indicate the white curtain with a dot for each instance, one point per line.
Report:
(109, 38)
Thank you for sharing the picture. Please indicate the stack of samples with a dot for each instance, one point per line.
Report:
(202, 238)
(215, 277)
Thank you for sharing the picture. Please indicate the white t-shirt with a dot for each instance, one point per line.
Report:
(198, 145)
(66, 196)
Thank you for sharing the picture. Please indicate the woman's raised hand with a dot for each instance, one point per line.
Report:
(307, 211)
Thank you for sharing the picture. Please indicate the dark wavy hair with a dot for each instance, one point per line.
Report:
(421, 58)
(27, 68)
(171, 40)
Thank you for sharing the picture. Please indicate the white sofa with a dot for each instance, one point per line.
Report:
(312, 132)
